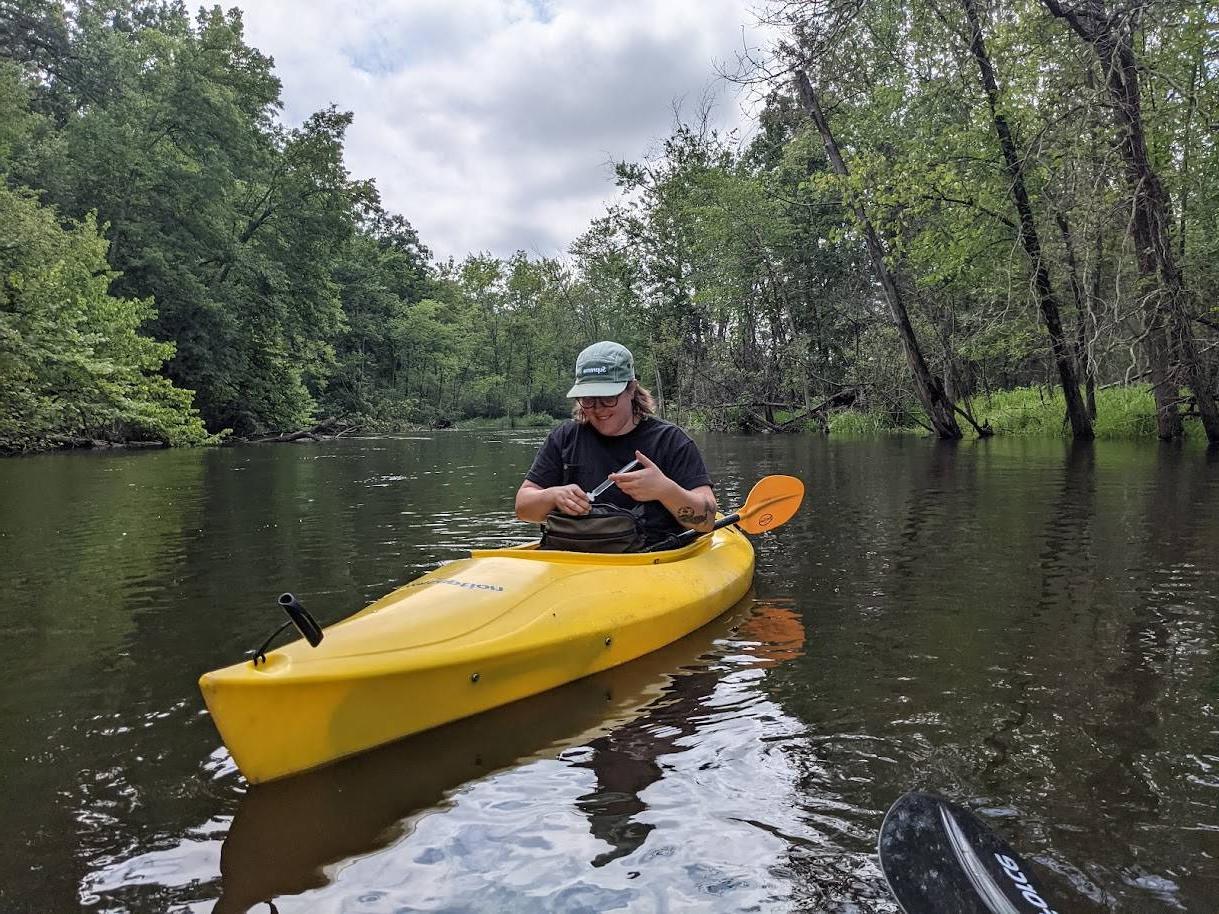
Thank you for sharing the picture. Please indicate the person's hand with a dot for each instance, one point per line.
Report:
(570, 499)
(646, 484)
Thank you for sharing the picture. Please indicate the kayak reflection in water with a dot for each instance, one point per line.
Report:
(626, 760)
(666, 490)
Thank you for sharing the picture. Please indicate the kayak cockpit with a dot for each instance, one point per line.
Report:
(533, 552)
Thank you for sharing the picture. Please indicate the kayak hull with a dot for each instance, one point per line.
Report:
(470, 636)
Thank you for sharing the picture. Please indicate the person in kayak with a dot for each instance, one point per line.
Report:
(613, 423)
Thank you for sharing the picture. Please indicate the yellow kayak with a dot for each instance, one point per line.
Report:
(475, 634)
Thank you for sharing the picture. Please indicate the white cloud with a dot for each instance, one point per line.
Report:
(490, 124)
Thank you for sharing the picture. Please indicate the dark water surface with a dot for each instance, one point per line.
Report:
(1027, 628)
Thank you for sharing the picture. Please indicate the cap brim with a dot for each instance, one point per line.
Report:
(597, 388)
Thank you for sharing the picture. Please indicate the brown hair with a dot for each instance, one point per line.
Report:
(643, 404)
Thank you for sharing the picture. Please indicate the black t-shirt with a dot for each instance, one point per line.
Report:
(578, 453)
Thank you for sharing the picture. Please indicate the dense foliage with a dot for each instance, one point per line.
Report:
(178, 262)
(1021, 161)
(71, 360)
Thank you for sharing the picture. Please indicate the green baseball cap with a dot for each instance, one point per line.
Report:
(603, 370)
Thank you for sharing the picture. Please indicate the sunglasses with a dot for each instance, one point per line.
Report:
(603, 402)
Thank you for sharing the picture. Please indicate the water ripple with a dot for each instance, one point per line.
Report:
(1027, 627)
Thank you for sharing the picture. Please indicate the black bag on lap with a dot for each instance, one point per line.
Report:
(605, 528)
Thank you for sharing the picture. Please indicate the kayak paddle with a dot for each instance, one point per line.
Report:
(771, 503)
(941, 859)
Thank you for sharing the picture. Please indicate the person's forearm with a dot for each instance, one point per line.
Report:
(534, 504)
(694, 510)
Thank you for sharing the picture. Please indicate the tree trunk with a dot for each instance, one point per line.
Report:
(1093, 298)
(1083, 360)
(660, 383)
(529, 381)
(1077, 412)
(928, 387)
(1170, 339)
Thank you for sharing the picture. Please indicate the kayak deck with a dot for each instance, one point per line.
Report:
(472, 635)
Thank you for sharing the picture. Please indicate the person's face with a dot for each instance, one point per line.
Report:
(609, 415)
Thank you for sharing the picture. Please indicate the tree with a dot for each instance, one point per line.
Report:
(232, 223)
(72, 362)
(1081, 422)
(1173, 352)
(930, 389)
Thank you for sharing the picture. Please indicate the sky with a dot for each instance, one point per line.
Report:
(491, 125)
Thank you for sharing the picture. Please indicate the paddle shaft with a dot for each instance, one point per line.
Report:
(770, 504)
(677, 540)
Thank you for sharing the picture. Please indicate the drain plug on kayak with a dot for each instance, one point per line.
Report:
(473, 677)
(609, 641)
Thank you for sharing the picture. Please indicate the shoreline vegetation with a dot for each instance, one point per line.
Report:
(958, 215)
(1124, 414)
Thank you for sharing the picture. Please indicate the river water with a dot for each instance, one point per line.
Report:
(1027, 628)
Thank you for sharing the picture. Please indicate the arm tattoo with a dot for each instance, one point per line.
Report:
(687, 516)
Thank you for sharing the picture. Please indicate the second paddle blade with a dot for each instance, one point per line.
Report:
(940, 859)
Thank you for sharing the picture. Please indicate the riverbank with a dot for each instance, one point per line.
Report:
(1122, 413)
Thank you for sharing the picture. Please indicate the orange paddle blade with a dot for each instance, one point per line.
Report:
(771, 503)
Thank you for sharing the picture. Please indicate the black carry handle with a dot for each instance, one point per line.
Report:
(305, 623)
(298, 616)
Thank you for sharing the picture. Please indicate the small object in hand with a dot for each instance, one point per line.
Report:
(592, 496)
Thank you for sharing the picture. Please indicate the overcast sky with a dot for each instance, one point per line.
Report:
(490, 124)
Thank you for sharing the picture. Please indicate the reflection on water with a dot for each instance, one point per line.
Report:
(287, 836)
(1028, 627)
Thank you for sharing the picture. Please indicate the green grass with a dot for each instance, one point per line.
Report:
(854, 424)
(533, 420)
(1130, 412)
(1122, 413)
(1030, 411)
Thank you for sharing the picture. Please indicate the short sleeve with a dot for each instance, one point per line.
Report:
(547, 468)
(686, 466)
